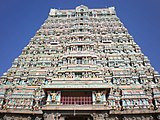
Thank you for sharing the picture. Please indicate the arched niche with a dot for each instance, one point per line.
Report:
(82, 8)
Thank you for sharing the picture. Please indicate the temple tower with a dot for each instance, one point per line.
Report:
(82, 64)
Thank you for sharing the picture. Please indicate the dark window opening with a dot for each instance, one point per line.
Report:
(82, 10)
(79, 60)
(70, 48)
(82, 14)
(54, 43)
(79, 47)
(78, 74)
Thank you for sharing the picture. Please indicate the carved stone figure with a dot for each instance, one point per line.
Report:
(54, 94)
(6, 104)
(49, 116)
(38, 92)
(36, 106)
(38, 118)
(106, 116)
(98, 96)
(158, 117)
(102, 116)
(125, 118)
(94, 116)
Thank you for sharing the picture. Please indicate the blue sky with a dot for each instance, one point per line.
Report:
(20, 19)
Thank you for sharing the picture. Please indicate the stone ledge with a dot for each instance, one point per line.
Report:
(135, 111)
(75, 107)
(21, 111)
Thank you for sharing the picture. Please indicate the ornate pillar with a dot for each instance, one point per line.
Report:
(93, 97)
(48, 98)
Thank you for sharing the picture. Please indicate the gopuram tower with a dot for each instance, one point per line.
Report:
(82, 64)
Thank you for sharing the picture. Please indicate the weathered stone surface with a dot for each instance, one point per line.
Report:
(84, 50)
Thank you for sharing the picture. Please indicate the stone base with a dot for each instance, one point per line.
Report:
(79, 115)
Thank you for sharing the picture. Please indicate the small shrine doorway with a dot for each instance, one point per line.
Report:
(77, 118)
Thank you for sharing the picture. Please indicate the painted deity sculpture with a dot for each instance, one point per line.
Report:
(98, 96)
(54, 94)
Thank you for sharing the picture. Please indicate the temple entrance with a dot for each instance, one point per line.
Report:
(77, 118)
